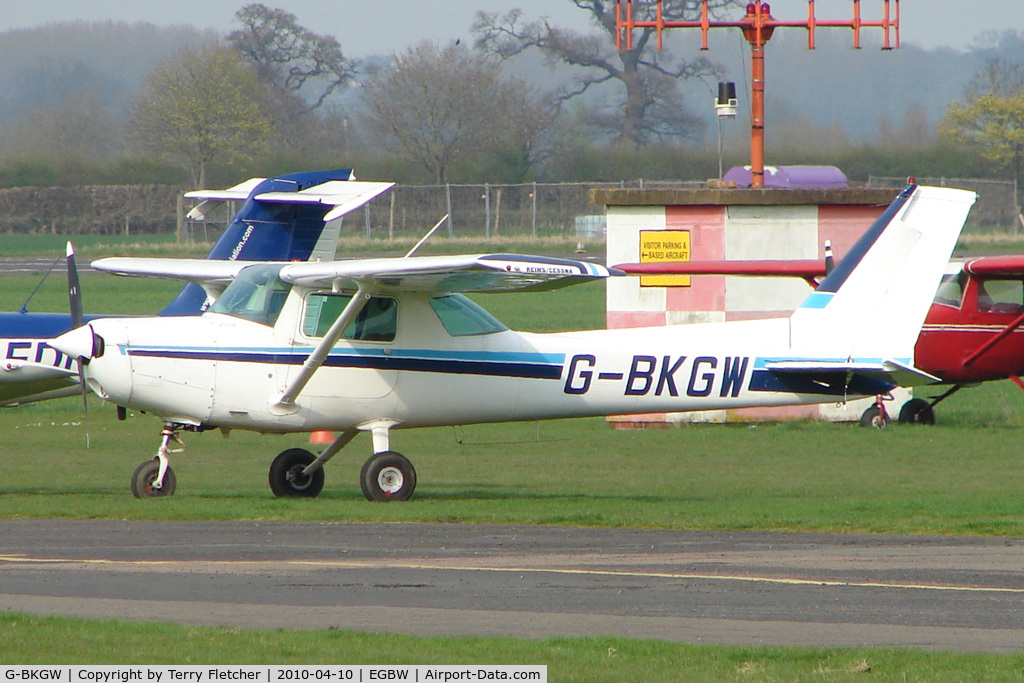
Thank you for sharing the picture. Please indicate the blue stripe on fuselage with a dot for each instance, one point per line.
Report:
(522, 365)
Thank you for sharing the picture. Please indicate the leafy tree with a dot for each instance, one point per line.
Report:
(652, 107)
(201, 107)
(991, 117)
(289, 56)
(441, 106)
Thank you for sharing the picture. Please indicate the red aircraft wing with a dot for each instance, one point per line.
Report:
(996, 266)
(806, 269)
(778, 268)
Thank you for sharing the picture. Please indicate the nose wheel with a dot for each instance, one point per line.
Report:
(155, 478)
(144, 480)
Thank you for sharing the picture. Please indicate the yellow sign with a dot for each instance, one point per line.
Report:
(659, 246)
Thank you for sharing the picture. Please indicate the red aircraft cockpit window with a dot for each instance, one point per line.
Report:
(1001, 296)
(951, 289)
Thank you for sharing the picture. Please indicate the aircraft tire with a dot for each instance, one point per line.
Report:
(144, 476)
(917, 411)
(387, 476)
(873, 418)
(286, 478)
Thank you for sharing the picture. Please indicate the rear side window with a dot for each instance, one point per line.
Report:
(1001, 296)
(378, 321)
(462, 318)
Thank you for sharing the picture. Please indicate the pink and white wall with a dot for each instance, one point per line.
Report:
(734, 225)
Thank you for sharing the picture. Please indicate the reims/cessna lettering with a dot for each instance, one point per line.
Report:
(377, 344)
(288, 218)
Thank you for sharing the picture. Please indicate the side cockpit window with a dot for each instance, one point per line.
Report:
(378, 321)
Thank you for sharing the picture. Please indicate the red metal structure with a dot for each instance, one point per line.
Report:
(757, 25)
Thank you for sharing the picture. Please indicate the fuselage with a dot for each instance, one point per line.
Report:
(968, 313)
(434, 362)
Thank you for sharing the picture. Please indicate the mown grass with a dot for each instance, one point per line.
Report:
(962, 477)
(48, 640)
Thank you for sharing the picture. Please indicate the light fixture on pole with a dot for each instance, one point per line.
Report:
(725, 108)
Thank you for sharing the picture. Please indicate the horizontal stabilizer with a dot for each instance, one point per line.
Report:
(456, 273)
(237, 192)
(344, 195)
(889, 371)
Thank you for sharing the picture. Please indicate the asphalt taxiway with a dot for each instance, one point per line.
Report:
(938, 593)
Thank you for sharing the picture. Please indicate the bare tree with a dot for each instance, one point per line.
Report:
(288, 55)
(440, 106)
(204, 106)
(652, 106)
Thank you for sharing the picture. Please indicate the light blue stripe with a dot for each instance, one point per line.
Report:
(817, 300)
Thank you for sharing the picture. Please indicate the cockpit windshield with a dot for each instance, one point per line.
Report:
(951, 289)
(257, 294)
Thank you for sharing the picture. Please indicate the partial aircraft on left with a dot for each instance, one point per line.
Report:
(294, 217)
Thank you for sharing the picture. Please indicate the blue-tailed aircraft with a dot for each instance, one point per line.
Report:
(288, 218)
(388, 343)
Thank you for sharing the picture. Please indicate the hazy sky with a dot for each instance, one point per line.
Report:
(383, 26)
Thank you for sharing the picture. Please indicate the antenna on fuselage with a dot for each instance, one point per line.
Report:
(24, 306)
(427, 236)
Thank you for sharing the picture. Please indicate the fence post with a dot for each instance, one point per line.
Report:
(487, 210)
(366, 213)
(391, 219)
(533, 218)
(448, 201)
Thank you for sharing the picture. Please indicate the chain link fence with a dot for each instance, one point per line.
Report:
(480, 211)
(995, 210)
(561, 210)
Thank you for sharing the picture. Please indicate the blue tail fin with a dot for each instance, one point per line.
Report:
(268, 231)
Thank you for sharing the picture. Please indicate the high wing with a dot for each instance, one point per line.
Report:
(472, 273)
(476, 273)
(212, 276)
(796, 268)
(1000, 266)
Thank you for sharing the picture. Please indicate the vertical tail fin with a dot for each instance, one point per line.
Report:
(872, 305)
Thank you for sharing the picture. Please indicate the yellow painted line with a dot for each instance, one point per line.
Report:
(679, 576)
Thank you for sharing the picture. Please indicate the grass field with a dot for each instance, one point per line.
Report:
(964, 476)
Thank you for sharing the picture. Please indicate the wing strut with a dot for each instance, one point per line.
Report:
(285, 402)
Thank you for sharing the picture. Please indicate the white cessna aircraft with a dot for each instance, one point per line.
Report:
(378, 344)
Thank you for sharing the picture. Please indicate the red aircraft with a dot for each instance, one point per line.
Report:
(972, 333)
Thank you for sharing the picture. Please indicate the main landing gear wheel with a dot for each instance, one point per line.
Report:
(873, 417)
(917, 411)
(287, 478)
(388, 476)
(144, 477)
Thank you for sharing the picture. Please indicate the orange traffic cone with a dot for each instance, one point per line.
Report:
(321, 437)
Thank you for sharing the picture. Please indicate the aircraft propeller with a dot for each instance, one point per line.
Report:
(85, 343)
